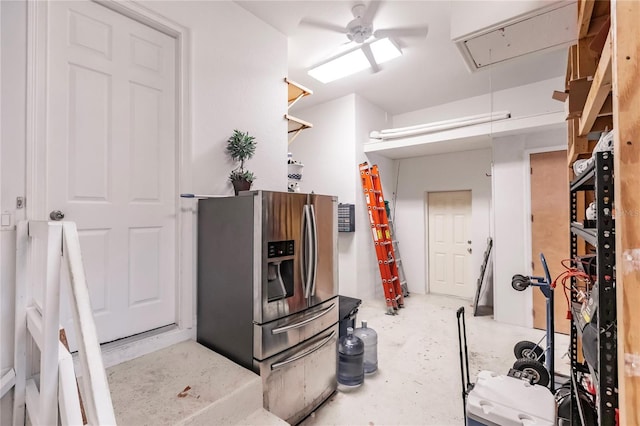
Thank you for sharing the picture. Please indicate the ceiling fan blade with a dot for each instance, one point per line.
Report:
(402, 32)
(371, 11)
(369, 54)
(323, 25)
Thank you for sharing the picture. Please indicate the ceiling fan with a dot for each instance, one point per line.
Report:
(360, 29)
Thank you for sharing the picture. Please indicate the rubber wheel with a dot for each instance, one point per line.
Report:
(529, 350)
(536, 369)
(519, 282)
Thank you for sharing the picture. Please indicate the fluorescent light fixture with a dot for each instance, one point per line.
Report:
(342, 66)
(385, 50)
(354, 61)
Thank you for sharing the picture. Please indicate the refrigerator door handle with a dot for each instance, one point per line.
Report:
(314, 230)
(304, 322)
(304, 354)
(308, 250)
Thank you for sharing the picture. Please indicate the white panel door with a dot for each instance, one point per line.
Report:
(449, 229)
(111, 160)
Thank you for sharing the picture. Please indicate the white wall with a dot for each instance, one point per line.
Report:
(327, 150)
(445, 172)
(509, 225)
(328, 153)
(522, 101)
(331, 152)
(236, 82)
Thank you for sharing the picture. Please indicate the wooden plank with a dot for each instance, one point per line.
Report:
(601, 8)
(607, 107)
(572, 65)
(578, 93)
(550, 214)
(587, 61)
(603, 123)
(301, 123)
(596, 24)
(599, 91)
(599, 39)
(625, 16)
(585, 9)
(578, 145)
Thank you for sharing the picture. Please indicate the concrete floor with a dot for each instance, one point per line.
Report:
(418, 378)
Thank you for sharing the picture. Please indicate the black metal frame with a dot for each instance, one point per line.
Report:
(599, 178)
(467, 386)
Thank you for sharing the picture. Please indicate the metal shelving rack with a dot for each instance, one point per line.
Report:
(598, 178)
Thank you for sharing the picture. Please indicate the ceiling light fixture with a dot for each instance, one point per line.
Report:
(355, 61)
(385, 50)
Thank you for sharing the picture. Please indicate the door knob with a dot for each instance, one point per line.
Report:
(56, 215)
(468, 241)
(469, 250)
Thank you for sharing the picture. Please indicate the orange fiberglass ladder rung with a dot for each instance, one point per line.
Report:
(381, 235)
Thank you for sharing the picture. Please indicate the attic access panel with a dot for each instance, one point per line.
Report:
(542, 30)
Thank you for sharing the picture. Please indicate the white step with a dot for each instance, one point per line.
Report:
(150, 390)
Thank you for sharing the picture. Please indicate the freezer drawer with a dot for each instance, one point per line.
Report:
(298, 380)
(277, 336)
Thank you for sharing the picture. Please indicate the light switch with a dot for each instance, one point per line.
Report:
(6, 219)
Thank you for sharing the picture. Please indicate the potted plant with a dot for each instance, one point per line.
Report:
(241, 147)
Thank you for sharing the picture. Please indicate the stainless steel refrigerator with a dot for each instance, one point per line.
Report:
(267, 292)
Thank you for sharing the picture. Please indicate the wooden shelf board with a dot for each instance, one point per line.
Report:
(596, 25)
(600, 89)
(299, 122)
(585, 9)
(296, 91)
(298, 126)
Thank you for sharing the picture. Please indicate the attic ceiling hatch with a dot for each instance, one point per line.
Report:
(554, 27)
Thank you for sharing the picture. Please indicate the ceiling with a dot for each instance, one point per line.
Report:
(430, 72)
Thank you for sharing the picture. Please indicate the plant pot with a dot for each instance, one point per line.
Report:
(241, 185)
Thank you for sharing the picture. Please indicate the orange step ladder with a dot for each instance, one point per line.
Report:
(381, 233)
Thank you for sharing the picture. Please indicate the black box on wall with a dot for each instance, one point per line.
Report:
(346, 217)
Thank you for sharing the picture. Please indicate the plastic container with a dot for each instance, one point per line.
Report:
(370, 339)
(497, 399)
(350, 360)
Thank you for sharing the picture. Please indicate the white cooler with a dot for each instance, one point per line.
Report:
(501, 400)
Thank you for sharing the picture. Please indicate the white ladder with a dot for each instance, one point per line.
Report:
(42, 249)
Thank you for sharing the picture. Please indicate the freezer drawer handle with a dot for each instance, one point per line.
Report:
(304, 354)
(301, 323)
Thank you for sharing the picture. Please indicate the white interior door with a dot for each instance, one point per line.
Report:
(111, 160)
(449, 228)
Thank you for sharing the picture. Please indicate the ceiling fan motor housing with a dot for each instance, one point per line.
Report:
(359, 30)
